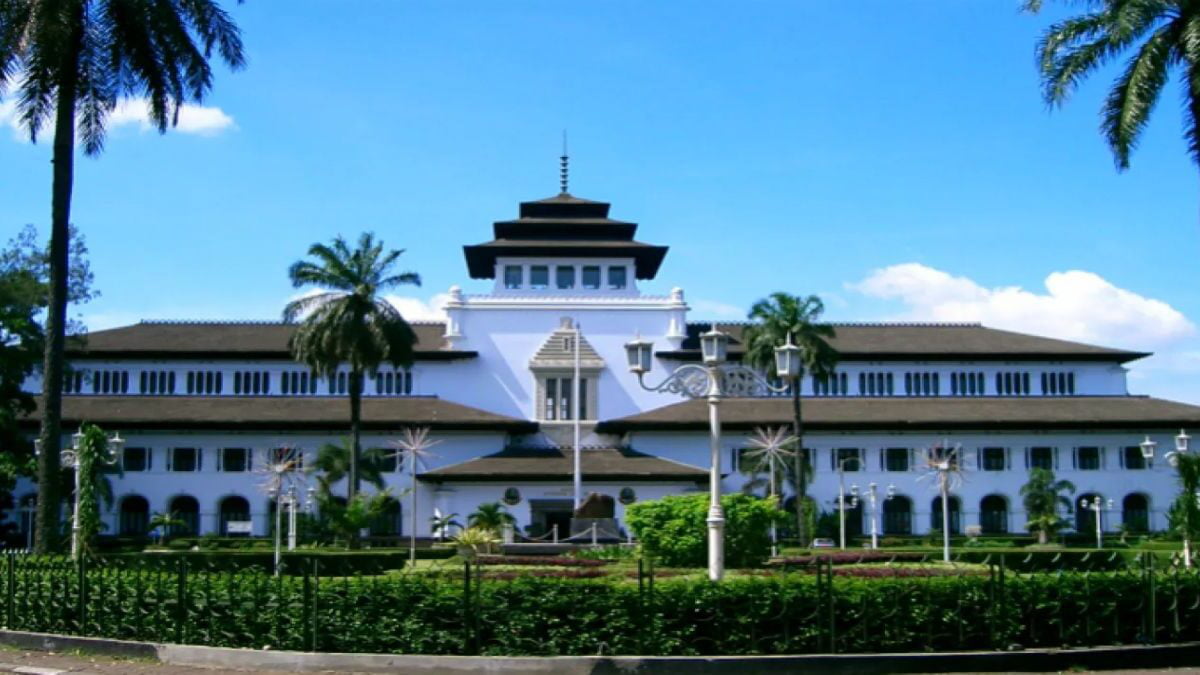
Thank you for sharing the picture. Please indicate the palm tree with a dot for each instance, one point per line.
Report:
(71, 61)
(779, 318)
(441, 524)
(332, 464)
(164, 523)
(349, 321)
(491, 517)
(1161, 34)
(1042, 496)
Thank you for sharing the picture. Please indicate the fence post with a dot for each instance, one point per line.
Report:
(180, 600)
(832, 602)
(306, 608)
(81, 595)
(10, 592)
(641, 606)
(1151, 602)
(466, 610)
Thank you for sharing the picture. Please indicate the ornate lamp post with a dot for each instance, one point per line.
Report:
(944, 464)
(713, 380)
(872, 496)
(1097, 506)
(80, 459)
(1182, 443)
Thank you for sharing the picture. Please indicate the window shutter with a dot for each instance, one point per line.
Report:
(199, 459)
(170, 458)
(149, 458)
(221, 457)
(1075, 457)
(1028, 458)
(733, 459)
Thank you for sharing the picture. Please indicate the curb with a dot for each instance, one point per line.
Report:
(1033, 660)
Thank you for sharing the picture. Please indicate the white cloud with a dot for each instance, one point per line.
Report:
(1076, 305)
(416, 309)
(193, 119)
(711, 309)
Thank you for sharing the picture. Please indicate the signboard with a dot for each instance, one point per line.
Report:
(239, 527)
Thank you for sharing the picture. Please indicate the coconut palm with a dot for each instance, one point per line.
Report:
(441, 524)
(349, 321)
(1042, 496)
(492, 517)
(412, 449)
(164, 523)
(71, 62)
(332, 464)
(778, 319)
(1161, 38)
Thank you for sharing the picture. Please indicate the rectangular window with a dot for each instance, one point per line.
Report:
(184, 459)
(846, 458)
(564, 277)
(896, 459)
(1134, 458)
(1041, 458)
(551, 407)
(539, 277)
(235, 460)
(591, 277)
(514, 276)
(992, 459)
(135, 459)
(1087, 459)
(616, 278)
(558, 398)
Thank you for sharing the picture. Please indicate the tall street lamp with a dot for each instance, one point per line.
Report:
(713, 380)
(1182, 442)
(1097, 506)
(872, 496)
(76, 458)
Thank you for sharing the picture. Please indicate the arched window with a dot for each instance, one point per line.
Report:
(186, 509)
(135, 516)
(233, 509)
(854, 517)
(388, 523)
(935, 518)
(993, 515)
(1135, 512)
(1085, 519)
(897, 515)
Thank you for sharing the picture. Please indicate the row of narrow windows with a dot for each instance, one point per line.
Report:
(966, 384)
(876, 384)
(992, 458)
(831, 384)
(922, 384)
(245, 383)
(565, 277)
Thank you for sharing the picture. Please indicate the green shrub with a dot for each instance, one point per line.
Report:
(673, 530)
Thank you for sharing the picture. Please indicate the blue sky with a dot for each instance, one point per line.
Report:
(895, 158)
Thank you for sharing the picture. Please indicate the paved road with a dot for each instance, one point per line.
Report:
(42, 663)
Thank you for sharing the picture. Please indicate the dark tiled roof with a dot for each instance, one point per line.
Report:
(901, 414)
(277, 412)
(235, 339)
(926, 342)
(557, 464)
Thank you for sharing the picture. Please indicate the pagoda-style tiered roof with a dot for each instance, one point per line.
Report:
(564, 226)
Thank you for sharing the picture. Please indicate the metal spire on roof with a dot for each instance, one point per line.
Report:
(563, 168)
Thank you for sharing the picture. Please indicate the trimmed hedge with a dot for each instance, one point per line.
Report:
(754, 614)
(330, 563)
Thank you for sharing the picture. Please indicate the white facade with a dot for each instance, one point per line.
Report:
(484, 363)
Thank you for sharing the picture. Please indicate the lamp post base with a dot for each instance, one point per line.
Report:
(716, 546)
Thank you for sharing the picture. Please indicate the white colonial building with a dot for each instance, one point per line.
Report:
(202, 405)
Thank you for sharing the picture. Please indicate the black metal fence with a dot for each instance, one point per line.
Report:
(821, 604)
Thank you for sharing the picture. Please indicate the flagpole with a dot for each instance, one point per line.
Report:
(575, 414)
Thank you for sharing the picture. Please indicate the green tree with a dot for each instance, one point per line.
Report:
(441, 524)
(349, 321)
(164, 523)
(24, 293)
(332, 464)
(779, 318)
(674, 531)
(1184, 515)
(492, 517)
(94, 459)
(1162, 39)
(71, 62)
(1042, 496)
(346, 519)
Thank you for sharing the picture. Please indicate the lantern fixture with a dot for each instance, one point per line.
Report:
(891, 490)
(787, 360)
(116, 444)
(1148, 447)
(713, 345)
(77, 438)
(640, 354)
(1181, 441)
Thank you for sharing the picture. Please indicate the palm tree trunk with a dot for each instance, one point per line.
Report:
(801, 462)
(48, 503)
(355, 431)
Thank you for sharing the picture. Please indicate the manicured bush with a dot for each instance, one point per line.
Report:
(673, 530)
(549, 561)
(334, 563)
